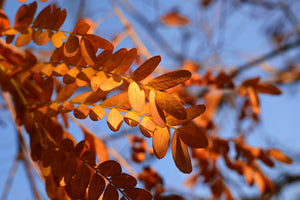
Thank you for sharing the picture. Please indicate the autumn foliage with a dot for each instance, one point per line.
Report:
(86, 77)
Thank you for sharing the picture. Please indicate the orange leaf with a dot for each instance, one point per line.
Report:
(66, 107)
(99, 42)
(110, 193)
(136, 97)
(80, 98)
(160, 142)
(114, 100)
(70, 76)
(126, 61)
(147, 127)
(192, 112)
(114, 120)
(25, 15)
(132, 119)
(66, 92)
(24, 38)
(96, 187)
(42, 16)
(60, 19)
(267, 89)
(97, 113)
(110, 168)
(171, 105)
(278, 155)
(156, 112)
(114, 61)
(71, 46)
(193, 136)
(146, 68)
(124, 181)
(60, 70)
(4, 23)
(102, 58)
(254, 100)
(170, 79)
(82, 111)
(181, 154)
(86, 74)
(174, 19)
(81, 27)
(87, 52)
(111, 82)
(260, 182)
(57, 39)
(42, 37)
(138, 194)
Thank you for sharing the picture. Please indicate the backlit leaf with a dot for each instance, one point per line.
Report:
(42, 16)
(82, 111)
(147, 127)
(60, 70)
(66, 92)
(171, 105)
(41, 37)
(156, 112)
(127, 61)
(146, 68)
(110, 193)
(160, 141)
(170, 79)
(111, 83)
(87, 52)
(114, 120)
(66, 107)
(267, 89)
(193, 136)
(174, 19)
(99, 42)
(81, 27)
(192, 112)
(132, 119)
(110, 168)
(24, 38)
(97, 112)
(278, 155)
(181, 154)
(4, 22)
(80, 98)
(254, 100)
(57, 39)
(115, 60)
(136, 97)
(86, 74)
(260, 183)
(70, 76)
(114, 100)
(25, 15)
(96, 187)
(124, 180)
(51, 187)
(71, 46)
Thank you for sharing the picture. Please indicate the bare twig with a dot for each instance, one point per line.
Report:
(9, 180)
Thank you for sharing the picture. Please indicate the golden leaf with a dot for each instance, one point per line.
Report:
(111, 83)
(145, 69)
(86, 74)
(114, 61)
(181, 154)
(24, 38)
(71, 46)
(60, 70)
(254, 100)
(70, 76)
(136, 97)
(42, 37)
(156, 112)
(97, 112)
(87, 52)
(66, 92)
(174, 19)
(57, 39)
(81, 112)
(126, 61)
(99, 42)
(278, 155)
(114, 120)
(132, 119)
(160, 141)
(147, 127)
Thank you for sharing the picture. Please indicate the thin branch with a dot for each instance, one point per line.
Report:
(9, 180)
(265, 57)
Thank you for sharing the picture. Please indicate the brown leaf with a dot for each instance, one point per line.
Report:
(115, 60)
(136, 97)
(87, 52)
(110, 168)
(160, 142)
(51, 187)
(267, 89)
(170, 79)
(111, 82)
(126, 61)
(71, 46)
(192, 112)
(114, 120)
(81, 27)
(82, 111)
(181, 154)
(99, 42)
(4, 23)
(171, 105)
(42, 16)
(124, 181)
(86, 74)
(278, 155)
(193, 136)
(70, 76)
(66, 92)
(132, 119)
(174, 19)
(260, 182)
(145, 69)
(25, 15)
(138, 194)
(156, 112)
(97, 112)
(24, 38)
(96, 187)
(66, 107)
(57, 39)
(147, 127)
(110, 193)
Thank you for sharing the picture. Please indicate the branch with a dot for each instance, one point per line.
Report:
(267, 56)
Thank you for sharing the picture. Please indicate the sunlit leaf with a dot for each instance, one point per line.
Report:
(99, 42)
(136, 97)
(145, 69)
(160, 141)
(126, 61)
(115, 60)
(81, 27)
(254, 100)
(82, 111)
(4, 22)
(114, 119)
(181, 154)
(24, 38)
(87, 52)
(132, 119)
(71, 46)
(278, 155)
(57, 39)
(156, 112)
(66, 92)
(41, 37)
(267, 89)
(25, 15)
(97, 112)
(147, 127)
(193, 136)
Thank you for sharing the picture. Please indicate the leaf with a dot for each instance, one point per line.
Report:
(147, 127)
(132, 119)
(78, 184)
(136, 97)
(25, 15)
(138, 194)
(66, 92)
(87, 52)
(51, 188)
(81, 27)
(71, 46)
(102, 58)
(82, 111)
(267, 89)
(70, 76)
(99, 42)
(170, 79)
(60, 19)
(110, 193)
(181, 154)
(127, 61)
(86, 74)
(4, 23)
(66, 107)
(42, 16)
(174, 19)
(156, 112)
(96, 187)
(111, 82)
(57, 39)
(193, 136)
(192, 112)
(114, 100)
(254, 100)
(42, 37)
(123, 181)
(160, 141)
(60, 70)
(97, 112)
(24, 38)
(81, 97)
(114, 120)
(278, 155)
(171, 105)
(114, 61)
(145, 69)
(110, 168)
(260, 183)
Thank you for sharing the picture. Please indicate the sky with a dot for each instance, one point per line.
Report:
(240, 39)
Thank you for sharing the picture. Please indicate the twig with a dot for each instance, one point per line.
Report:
(10, 179)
